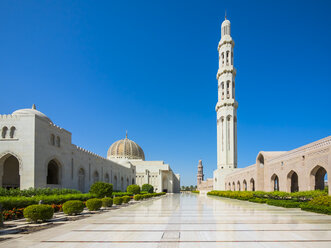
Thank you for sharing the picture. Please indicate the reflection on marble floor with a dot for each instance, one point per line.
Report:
(188, 220)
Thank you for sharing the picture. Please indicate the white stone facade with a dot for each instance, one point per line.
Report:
(36, 153)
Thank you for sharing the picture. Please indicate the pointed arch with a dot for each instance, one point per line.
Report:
(317, 178)
(292, 181)
(275, 182)
(244, 185)
(81, 180)
(53, 172)
(252, 184)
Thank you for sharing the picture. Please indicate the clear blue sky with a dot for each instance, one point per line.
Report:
(97, 68)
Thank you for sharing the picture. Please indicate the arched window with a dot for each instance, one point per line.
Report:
(81, 180)
(132, 180)
(107, 178)
(228, 130)
(245, 185)
(233, 186)
(222, 91)
(53, 172)
(115, 182)
(228, 89)
(252, 183)
(229, 186)
(12, 132)
(275, 182)
(52, 139)
(4, 132)
(58, 141)
(238, 185)
(227, 57)
(292, 178)
(122, 183)
(222, 58)
(95, 177)
(127, 182)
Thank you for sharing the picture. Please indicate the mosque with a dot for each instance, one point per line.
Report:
(301, 169)
(34, 152)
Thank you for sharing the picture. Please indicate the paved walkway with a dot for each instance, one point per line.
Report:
(188, 220)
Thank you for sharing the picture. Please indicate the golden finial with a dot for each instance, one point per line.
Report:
(34, 106)
(126, 134)
(225, 14)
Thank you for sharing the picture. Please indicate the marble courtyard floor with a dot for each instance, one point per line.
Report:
(188, 220)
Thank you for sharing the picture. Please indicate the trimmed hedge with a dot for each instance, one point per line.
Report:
(36, 191)
(134, 189)
(120, 194)
(38, 212)
(315, 201)
(126, 199)
(137, 197)
(107, 202)
(9, 203)
(118, 200)
(93, 204)
(101, 189)
(147, 187)
(73, 207)
(284, 203)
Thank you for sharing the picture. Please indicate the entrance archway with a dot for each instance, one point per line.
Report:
(238, 186)
(11, 175)
(81, 180)
(252, 182)
(53, 172)
(318, 178)
(275, 182)
(292, 179)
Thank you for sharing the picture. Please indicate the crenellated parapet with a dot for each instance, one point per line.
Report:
(87, 152)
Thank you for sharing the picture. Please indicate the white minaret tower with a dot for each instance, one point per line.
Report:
(226, 108)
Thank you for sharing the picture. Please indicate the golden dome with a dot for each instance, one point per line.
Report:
(126, 149)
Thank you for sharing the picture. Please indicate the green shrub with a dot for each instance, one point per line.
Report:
(101, 189)
(8, 202)
(73, 207)
(126, 199)
(38, 212)
(120, 194)
(36, 191)
(195, 191)
(147, 187)
(137, 197)
(134, 189)
(322, 201)
(316, 208)
(257, 200)
(118, 200)
(284, 203)
(107, 202)
(93, 204)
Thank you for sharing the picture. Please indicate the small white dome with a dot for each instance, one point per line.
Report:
(31, 111)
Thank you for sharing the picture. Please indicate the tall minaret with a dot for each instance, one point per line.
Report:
(200, 173)
(227, 105)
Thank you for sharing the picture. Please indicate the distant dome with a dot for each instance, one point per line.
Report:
(125, 149)
(31, 111)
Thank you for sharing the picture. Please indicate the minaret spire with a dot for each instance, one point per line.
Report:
(225, 15)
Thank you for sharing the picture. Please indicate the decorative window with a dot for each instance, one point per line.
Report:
(222, 58)
(58, 141)
(52, 139)
(4, 132)
(12, 132)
